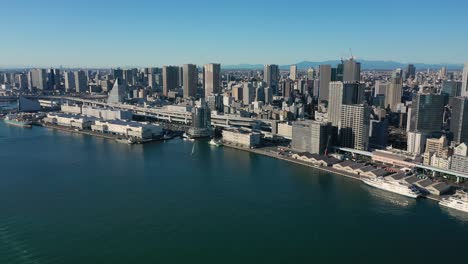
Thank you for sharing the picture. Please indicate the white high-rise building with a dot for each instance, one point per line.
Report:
(293, 72)
(212, 80)
(464, 91)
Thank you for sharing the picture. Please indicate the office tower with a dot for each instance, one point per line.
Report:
(325, 76)
(170, 78)
(351, 71)
(215, 103)
(118, 74)
(237, 92)
(39, 79)
(378, 133)
(436, 145)
(380, 88)
(180, 79)
(343, 93)
(81, 83)
(310, 136)
(288, 87)
(53, 79)
(410, 71)
(338, 73)
(130, 76)
(416, 142)
(260, 94)
(69, 78)
(310, 74)
(151, 80)
(394, 92)
(300, 86)
(464, 91)
(355, 122)
(22, 80)
(248, 93)
(268, 95)
(293, 72)
(451, 88)
(459, 119)
(118, 94)
(426, 113)
(190, 80)
(212, 81)
(271, 77)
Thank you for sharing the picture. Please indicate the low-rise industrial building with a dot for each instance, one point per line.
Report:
(128, 129)
(241, 137)
(69, 120)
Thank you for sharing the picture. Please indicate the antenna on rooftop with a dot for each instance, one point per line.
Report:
(351, 53)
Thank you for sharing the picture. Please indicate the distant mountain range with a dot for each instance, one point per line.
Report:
(365, 65)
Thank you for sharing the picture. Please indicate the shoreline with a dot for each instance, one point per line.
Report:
(320, 168)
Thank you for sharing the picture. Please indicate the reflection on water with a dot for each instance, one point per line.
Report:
(391, 202)
(456, 214)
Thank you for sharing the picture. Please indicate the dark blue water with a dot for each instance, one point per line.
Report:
(67, 198)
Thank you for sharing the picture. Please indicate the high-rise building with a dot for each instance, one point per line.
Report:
(416, 142)
(190, 80)
(325, 77)
(451, 88)
(69, 78)
(22, 80)
(170, 78)
(248, 93)
(394, 92)
(410, 71)
(180, 79)
(464, 91)
(293, 72)
(81, 83)
(53, 79)
(426, 113)
(39, 79)
(212, 80)
(380, 88)
(351, 71)
(201, 120)
(118, 74)
(310, 136)
(271, 77)
(118, 94)
(268, 95)
(310, 74)
(355, 124)
(343, 93)
(459, 119)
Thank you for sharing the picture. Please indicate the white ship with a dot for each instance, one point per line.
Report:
(393, 186)
(458, 201)
(214, 143)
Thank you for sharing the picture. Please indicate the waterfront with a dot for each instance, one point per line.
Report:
(71, 198)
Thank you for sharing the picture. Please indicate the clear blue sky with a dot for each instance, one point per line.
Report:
(144, 32)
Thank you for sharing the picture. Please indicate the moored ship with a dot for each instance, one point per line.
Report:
(16, 120)
(393, 186)
(458, 201)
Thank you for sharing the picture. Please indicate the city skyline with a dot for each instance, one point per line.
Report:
(110, 34)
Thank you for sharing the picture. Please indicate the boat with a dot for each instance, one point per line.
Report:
(458, 201)
(214, 143)
(129, 141)
(393, 186)
(15, 120)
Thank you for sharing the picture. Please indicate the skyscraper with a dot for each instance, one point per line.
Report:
(310, 74)
(451, 88)
(118, 94)
(310, 136)
(325, 73)
(464, 91)
(170, 77)
(69, 78)
(39, 79)
(248, 93)
(190, 80)
(426, 113)
(341, 94)
(293, 72)
(212, 83)
(351, 71)
(355, 124)
(394, 91)
(459, 119)
(410, 71)
(271, 77)
(81, 83)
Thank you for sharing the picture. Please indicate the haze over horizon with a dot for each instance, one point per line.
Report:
(154, 33)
